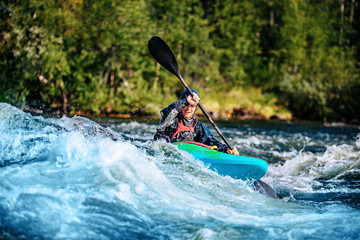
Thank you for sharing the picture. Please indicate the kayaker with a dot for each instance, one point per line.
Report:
(178, 123)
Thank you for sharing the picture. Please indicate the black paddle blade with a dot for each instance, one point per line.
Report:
(163, 55)
(265, 189)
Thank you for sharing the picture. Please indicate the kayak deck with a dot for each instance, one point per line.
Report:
(238, 167)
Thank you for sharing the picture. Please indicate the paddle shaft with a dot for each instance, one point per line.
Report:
(260, 186)
(205, 113)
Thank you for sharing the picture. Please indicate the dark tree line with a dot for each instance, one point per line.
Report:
(79, 55)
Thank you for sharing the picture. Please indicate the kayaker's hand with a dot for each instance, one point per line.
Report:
(193, 100)
(233, 151)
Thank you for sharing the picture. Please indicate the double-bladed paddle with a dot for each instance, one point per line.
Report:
(164, 55)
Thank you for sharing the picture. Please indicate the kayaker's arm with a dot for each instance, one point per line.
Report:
(167, 118)
(168, 114)
(205, 136)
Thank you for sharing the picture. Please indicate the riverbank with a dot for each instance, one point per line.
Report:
(237, 104)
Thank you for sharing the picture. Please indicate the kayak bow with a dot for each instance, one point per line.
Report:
(238, 167)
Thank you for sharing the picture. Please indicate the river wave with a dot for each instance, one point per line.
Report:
(73, 178)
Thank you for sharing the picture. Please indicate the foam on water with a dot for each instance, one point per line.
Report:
(71, 178)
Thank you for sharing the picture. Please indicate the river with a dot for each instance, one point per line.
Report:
(76, 178)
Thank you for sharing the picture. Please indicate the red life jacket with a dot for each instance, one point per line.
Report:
(182, 128)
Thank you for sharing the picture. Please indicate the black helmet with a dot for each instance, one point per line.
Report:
(186, 93)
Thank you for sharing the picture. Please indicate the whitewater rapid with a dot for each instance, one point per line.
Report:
(73, 178)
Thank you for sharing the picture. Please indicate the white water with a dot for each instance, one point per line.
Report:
(70, 178)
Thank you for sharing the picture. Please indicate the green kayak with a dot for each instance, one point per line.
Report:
(238, 167)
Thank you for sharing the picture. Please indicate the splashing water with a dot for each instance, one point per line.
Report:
(72, 178)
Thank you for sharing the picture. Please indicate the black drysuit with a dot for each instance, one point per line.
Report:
(171, 115)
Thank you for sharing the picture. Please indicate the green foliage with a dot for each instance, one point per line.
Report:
(316, 69)
(92, 56)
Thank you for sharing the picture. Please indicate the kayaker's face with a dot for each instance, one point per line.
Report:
(188, 111)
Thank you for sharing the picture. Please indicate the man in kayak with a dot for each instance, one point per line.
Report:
(178, 123)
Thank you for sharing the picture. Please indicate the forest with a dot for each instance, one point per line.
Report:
(292, 58)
